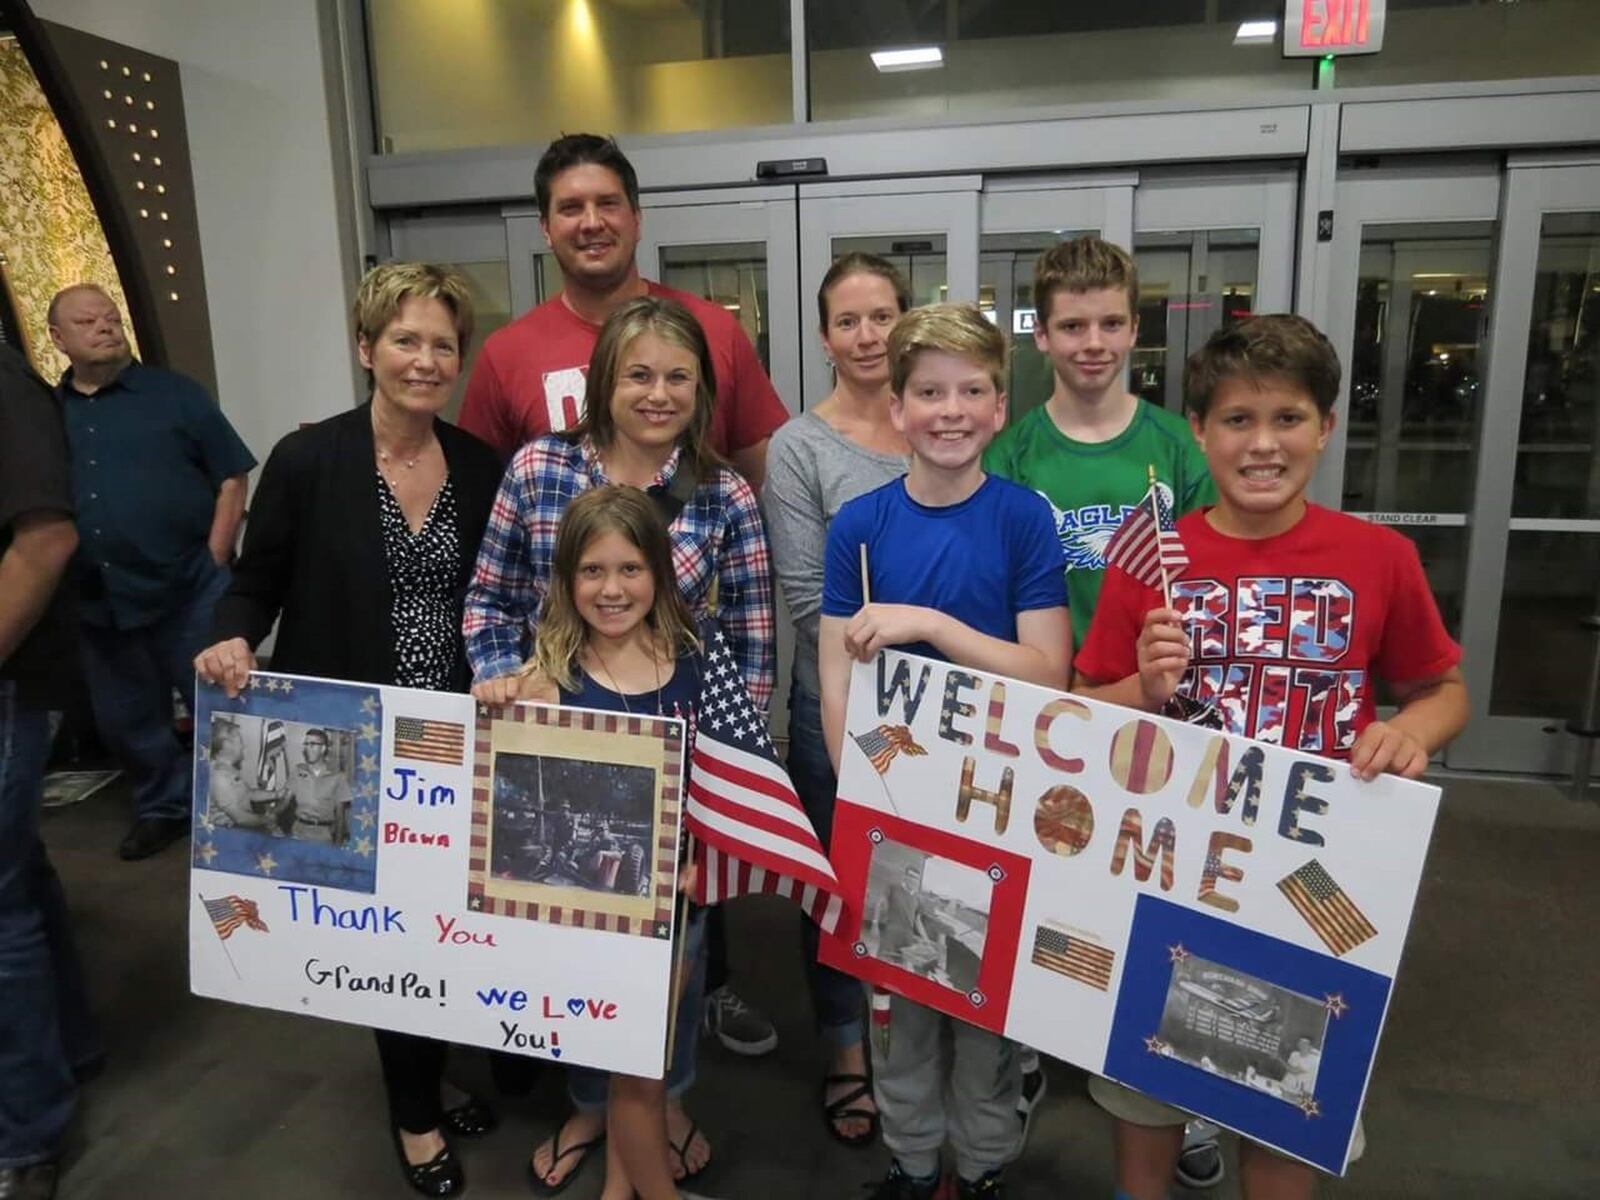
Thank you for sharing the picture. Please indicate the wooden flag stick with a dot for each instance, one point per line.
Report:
(1161, 549)
(866, 587)
(681, 928)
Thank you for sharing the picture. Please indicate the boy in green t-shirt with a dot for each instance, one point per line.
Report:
(1089, 448)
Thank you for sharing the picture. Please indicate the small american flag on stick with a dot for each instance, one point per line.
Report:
(1325, 907)
(230, 912)
(1147, 545)
(429, 741)
(751, 833)
(880, 745)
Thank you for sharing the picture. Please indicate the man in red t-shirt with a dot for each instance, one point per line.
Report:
(529, 378)
(1280, 626)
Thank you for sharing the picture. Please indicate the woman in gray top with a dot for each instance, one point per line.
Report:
(833, 452)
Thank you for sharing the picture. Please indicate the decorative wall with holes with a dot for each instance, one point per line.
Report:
(122, 110)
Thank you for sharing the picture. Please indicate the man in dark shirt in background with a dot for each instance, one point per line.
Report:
(159, 479)
(44, 1026)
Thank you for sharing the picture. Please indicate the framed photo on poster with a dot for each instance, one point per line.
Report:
(286, 781)
(576, 817)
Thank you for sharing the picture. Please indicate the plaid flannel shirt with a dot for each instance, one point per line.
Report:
(718, 536)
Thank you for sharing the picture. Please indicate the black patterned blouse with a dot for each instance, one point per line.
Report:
(423, 567)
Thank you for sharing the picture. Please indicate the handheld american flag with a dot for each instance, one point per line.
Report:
(1147, 545)
(751, 833)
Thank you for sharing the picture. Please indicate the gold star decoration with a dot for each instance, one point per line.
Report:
(1177, 953)
(369, 762)
(266, 864)
(208, 822)
(370, 704)
(206, 852)
(475, 903)
(366, 791)
(365, 819)
(363, 847)
(286, 686)
(1154, 1044)
(1310, 1107)
(367, 732)
(1336, 1005)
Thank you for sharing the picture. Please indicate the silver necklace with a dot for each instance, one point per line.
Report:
(615, 687)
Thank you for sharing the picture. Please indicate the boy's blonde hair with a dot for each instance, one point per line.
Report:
(611, 508)
(959, 329)
(1083, 264)
(388, 285)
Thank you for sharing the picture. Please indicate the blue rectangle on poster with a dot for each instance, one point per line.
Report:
(286, 781)
(1260, 1035)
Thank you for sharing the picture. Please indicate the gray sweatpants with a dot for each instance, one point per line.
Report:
(927, 1090)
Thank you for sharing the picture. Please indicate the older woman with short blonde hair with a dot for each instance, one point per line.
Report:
(359, 544)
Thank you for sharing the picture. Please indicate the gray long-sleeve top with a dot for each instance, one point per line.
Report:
(812, 470)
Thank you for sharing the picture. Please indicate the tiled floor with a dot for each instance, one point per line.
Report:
(1487, 1085)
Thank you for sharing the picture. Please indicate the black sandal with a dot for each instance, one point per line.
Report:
(472, 1118)
(582, 1149)
(441, 1175)
(843, 1109)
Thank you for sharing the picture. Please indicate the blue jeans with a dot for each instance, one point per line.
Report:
(589, 1087)
(835, 996)
(41, 997)
(131, 674)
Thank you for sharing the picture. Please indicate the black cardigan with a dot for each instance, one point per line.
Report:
(313, 550)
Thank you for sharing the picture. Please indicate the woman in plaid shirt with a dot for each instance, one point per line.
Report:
(651, 387)
(653, 363)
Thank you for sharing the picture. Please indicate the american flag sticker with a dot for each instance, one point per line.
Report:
(1330, 913)
(880, 745)
(429, 741)
(1067, 952)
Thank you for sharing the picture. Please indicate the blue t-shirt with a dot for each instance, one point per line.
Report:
(982, 561)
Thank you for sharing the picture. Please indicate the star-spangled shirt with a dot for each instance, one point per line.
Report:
(717, 538)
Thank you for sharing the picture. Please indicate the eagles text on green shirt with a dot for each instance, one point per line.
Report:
(1093, 485)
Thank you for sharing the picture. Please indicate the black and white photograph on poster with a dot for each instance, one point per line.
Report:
(1232, 1024)
(927, 914)
(281, 778)
(569, 822)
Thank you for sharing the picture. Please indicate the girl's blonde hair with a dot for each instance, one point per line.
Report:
(676, 325)
(612, 508)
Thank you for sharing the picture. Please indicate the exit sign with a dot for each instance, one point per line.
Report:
(1312, 28)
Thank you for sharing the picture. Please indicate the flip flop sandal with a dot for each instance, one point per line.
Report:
(681, 1149)
(581, 1149)
(472, 1118)
(843, 1108)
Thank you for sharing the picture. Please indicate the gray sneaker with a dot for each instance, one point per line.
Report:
(740, 1028)
(1200, 1164)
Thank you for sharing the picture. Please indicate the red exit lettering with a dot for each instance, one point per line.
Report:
(1335, 24)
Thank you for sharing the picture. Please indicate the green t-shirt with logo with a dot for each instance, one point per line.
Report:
(1093, 485)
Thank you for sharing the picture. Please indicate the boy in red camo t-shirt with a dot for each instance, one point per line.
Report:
(1281, 625)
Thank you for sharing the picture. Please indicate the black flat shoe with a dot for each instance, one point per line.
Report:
(472, 1118)
(151, 835)
(441, 1175)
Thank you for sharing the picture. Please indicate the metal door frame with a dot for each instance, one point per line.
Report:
(945, 205)
(1533, 186)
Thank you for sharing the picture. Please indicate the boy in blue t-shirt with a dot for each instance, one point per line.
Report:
(963, 567)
